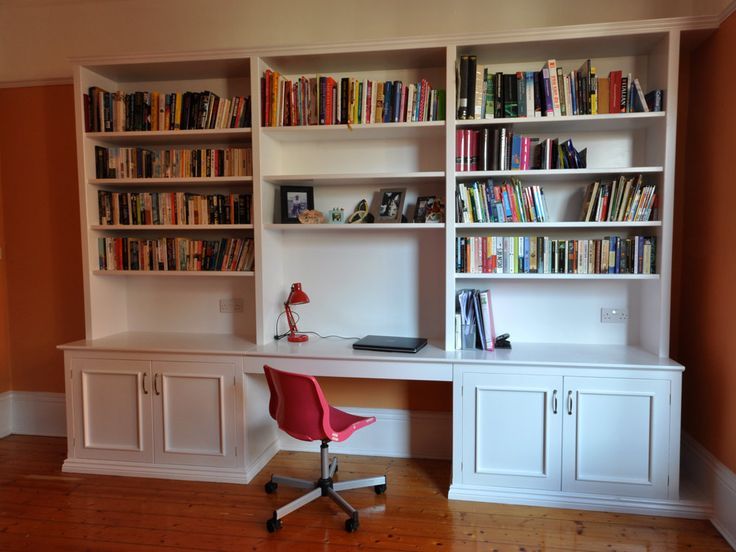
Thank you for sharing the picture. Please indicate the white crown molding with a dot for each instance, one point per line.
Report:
(727, 11)
(37, 82)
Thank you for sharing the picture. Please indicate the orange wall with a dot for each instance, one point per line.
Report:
(40, 216)
(4, 343)
(704, 329)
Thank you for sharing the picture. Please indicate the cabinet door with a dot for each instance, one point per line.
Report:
(616, 436)
(511, 430)
(194, 413)
(111, 409)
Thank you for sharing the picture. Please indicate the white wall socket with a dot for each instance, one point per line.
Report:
(231, 305)
(614, 316)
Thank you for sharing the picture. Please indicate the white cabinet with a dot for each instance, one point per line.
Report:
(514, 423)
(523, 430)
(615, 436)
(171, 411)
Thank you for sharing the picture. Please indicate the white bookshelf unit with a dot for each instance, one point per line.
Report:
(569, 376)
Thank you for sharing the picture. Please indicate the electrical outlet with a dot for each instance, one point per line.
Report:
(614, 316)
(231, 305)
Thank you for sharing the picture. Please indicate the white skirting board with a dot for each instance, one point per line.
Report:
(32, 413)
(715, 479)
(396, 433)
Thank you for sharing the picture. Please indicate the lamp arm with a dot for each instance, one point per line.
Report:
(290, 318)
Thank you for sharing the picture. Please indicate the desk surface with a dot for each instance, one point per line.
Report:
(537, 354)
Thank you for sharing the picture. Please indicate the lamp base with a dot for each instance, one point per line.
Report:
(298, 338)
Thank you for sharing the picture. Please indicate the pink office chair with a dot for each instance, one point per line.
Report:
(300, 409)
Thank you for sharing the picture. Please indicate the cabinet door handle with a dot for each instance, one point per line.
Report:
(145, 389)
(569, 403)
(155, 384)
(554, 401)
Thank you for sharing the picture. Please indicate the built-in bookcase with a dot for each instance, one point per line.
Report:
(566, 308)
(154, 301)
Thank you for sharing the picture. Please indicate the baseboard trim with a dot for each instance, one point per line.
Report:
(260, 462)
(37, 413)
(6, 414)
(396, 433)
(717, 481)
(158, 471)
(671, 508)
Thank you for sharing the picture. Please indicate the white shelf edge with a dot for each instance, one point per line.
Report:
(355, 227)
(361, 126)
(143, 134)
(576, 224)
(653, 115)
(560, 172)
(193, 180)
(354, 176)
(185, 227)
(532, 276)
(175, 273)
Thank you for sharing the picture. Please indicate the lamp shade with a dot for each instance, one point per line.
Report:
(297, 296)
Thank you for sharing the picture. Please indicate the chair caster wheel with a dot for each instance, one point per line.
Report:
(380, 489)
(273, 525)
(271, 487)
(351, 525)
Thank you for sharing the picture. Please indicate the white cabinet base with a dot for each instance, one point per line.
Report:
(653, 507)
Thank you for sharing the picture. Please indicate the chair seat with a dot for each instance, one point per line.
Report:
(345, 424)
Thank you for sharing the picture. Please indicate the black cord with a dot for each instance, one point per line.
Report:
(277, 336)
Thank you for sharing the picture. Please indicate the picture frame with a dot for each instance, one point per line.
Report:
(390, 206)
(295, 200)
(422, 207)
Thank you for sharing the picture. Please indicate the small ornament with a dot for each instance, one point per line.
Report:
(311, 217)
(336, 215)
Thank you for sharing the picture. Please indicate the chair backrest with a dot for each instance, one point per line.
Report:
(298, 405)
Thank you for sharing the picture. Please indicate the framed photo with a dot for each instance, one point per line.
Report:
(423, 205)
(295, 200)
(390, 204)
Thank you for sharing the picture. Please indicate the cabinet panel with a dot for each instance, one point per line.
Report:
(194, 417)
(511, 433)
(111, 409)
(615, 436)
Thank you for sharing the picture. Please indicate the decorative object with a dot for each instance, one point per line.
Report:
(360, 215)
(336, 215)
(294, 200)
(391, 205)
(420, 213)
(296, 297)
(435, 211)
(311, 216)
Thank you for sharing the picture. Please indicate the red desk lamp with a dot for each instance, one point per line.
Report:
(296, 297)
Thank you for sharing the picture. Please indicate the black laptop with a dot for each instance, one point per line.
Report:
(390, 343)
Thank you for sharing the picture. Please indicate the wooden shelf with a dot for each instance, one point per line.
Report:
(494, 276)
(572, 123)
(419, 177)
(373, 131)
(174, 137)
(176, 273)
(190, 181)
(560, 225)
(184, 227)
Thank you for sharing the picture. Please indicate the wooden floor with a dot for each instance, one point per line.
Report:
(42, 509)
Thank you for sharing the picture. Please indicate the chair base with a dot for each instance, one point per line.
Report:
(324, 486)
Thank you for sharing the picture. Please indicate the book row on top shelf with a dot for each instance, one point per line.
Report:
(154, 111)
(548, 92)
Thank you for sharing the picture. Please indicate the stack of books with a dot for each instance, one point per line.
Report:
(620, 200)
(507, 201)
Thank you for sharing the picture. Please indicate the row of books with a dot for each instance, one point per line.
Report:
(150, 110)
(176, 254)
(138, 208)
(474, 327)
(620, 200)
(500, 149)
(322, 100)
(549, 92)
(507, 201)
(545, 255)
(172, 163)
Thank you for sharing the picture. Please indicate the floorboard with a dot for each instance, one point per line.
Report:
(43, 509)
